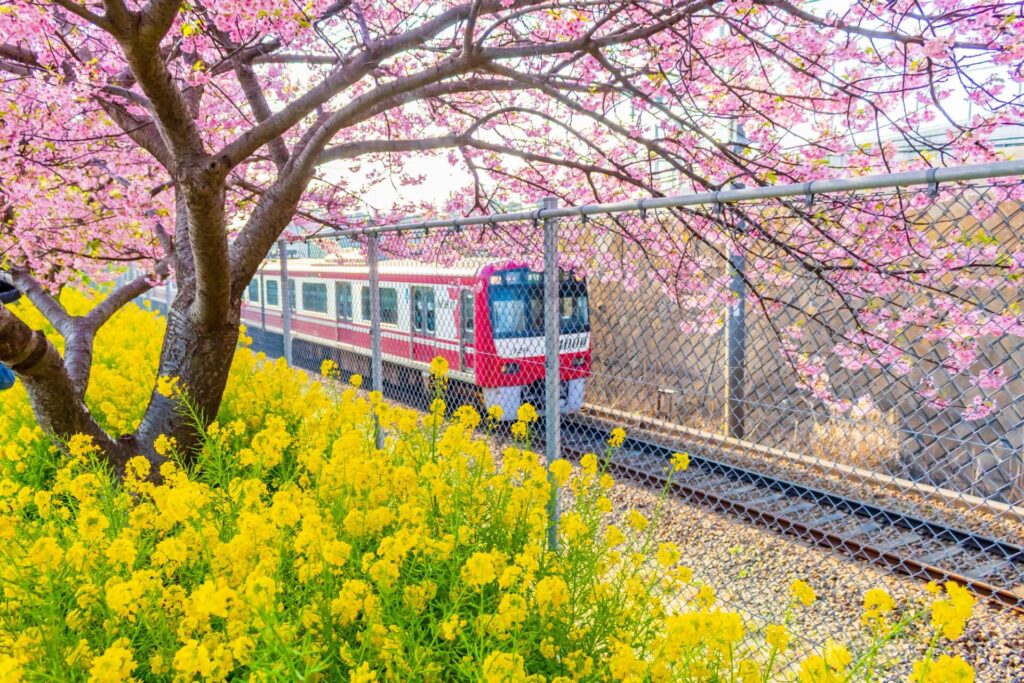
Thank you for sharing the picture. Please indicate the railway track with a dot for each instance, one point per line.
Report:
(991, 568)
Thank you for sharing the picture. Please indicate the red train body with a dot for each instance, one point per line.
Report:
(484, 318)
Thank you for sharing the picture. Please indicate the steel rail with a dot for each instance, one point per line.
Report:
(942, 532)
(819, 537)
(930, 177)
(969, 539)
(1007, 597)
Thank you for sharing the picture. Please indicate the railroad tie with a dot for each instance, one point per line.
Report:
(797, 508)
(828, 519)
(981, 571)
(739, 491)
(765, 500)
(860, 530)
(941, 554)
(898, 542)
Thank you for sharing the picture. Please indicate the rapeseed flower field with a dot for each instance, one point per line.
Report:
(295, 549)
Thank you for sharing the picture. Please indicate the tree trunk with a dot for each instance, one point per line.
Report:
(200, 357)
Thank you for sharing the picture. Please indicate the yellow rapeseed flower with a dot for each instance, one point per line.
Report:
(749, 672)
(164, 445)
(837, 655)
(81, 446)
(328, 368)
(945, 669)
(777, 636)
(439, 367)
(519, 430)
(114, 665)
(45, 554)
(668, 554)
(617, 437)
(503, 667)
(636, 520)
(680, 461)
(479, 569)
(877, 604)
(561, 469)
(362, 674)
(422, 560)
(167, 386)
(527, 413)
(613, 536)
(950, 615)
(551, 594)
(803, 592)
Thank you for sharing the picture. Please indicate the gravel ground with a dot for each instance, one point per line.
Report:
(751, 569)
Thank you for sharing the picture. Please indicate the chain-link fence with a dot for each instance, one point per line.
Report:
(842, 361)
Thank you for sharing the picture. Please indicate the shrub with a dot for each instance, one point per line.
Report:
(296, 549)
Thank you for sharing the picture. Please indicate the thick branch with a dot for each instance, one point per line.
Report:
(345, 75)
(260, 109)
(120, 296)
(144, 133)
(56, 403)
(176, 124)
(42, 300)
(81, 12)
(355, 149)
(893, 36)
(157, 17)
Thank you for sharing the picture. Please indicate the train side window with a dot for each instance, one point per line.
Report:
(291, 295)
(254, 290)
(417, 314)
(271, 287)
(343, 300)
(467, 316)
(388, 305)
(314, 297)
(424, 318)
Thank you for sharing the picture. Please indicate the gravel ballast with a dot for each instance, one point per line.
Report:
(751, 569)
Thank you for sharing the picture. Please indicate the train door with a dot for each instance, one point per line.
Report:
(424, 324)
(467, 327)
(343, 313)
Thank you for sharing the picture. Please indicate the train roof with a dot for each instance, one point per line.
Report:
(466, 267)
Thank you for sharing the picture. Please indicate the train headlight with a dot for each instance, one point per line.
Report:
(509, 368)
(579, 361)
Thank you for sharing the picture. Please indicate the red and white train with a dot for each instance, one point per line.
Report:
(485, 318)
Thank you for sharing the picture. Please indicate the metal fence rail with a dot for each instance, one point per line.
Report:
(905, 450)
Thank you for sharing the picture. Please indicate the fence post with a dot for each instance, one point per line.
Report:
(552, 371)
(737, 325)
(376, 364)
(737, 338)
(286, 301)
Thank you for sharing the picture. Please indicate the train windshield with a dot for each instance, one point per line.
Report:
(517, 304)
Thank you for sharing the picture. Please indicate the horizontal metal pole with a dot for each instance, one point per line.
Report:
(996, 169)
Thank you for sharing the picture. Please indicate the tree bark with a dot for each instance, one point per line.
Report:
(199, 355)
(59, 408)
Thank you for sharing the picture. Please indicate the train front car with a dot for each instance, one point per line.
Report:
(510, 345)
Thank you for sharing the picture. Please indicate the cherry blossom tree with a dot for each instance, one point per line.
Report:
(185, 137)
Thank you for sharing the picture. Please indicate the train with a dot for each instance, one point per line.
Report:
(484, 317)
